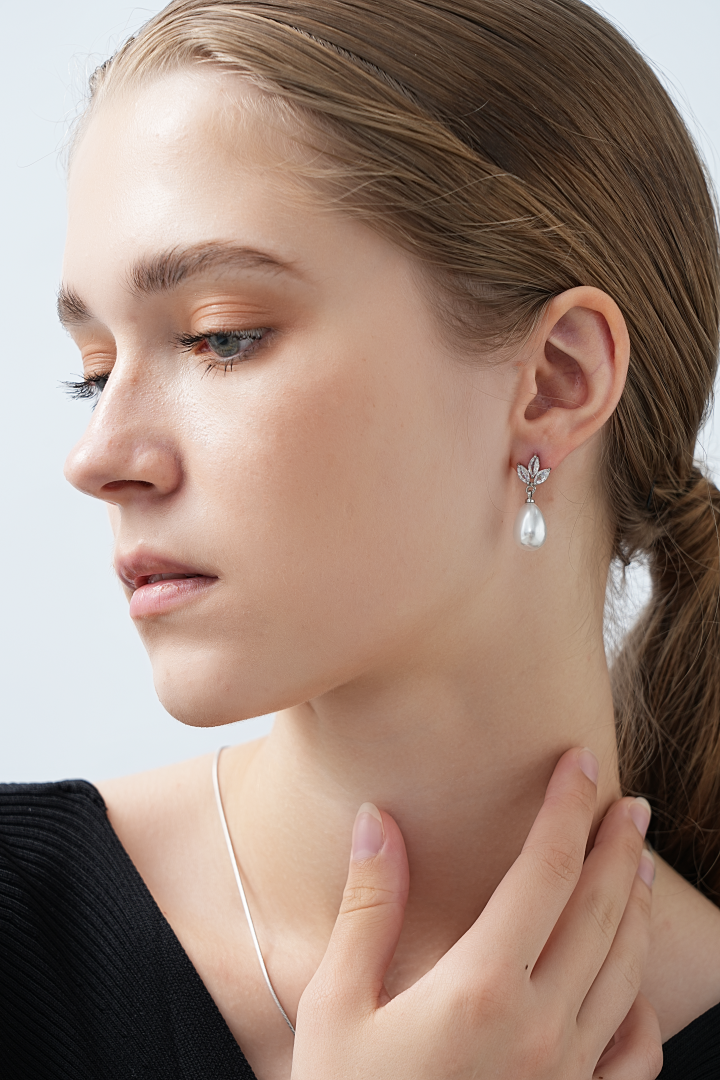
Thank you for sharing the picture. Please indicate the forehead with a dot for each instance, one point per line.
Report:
(195, 165)
(174, 163)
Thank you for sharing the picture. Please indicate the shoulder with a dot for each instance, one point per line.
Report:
(93, 983)
(156, 814)
(18, 801)
(42, 825)
(155, 792)
(164, 817)
(72, 910)
(61, 864)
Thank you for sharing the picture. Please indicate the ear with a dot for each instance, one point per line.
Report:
(573, 377)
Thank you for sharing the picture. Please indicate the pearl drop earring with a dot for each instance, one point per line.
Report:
(530, 524)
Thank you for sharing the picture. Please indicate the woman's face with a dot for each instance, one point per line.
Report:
(283, 419)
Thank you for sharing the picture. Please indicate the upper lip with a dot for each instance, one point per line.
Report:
(136, 570)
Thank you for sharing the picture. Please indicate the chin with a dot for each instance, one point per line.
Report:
(206, 687)
(200, 690)
(199, 713)
(229, 674)
(203, 707)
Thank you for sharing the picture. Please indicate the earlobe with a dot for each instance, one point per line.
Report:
(573, 378)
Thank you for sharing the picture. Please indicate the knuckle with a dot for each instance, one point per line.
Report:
(489, 1000)
(493, 1000)
(318, 1002)
(558, 863)
(364, 896)
(629, 968)
(604, 913)
(582, 801)
(486, 1008)
(641, 901)
(541, 1046)
(579, 802)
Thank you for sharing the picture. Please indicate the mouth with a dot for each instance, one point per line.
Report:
(154, 578)
(158, 584)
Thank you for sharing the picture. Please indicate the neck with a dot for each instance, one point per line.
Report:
(459, 754)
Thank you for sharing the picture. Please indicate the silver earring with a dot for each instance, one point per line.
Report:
(530, 524)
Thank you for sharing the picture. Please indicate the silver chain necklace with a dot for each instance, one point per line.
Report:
(238, 880)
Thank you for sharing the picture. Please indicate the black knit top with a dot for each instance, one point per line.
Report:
(94, 985)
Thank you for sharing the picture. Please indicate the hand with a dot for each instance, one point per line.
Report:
(544, 986)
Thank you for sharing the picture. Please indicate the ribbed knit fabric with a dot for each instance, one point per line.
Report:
(694, 1053)
(94, 985)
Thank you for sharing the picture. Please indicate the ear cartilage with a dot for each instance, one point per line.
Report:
(530, 524)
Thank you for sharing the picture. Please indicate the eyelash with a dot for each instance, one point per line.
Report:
(188, 342)
(90, 387)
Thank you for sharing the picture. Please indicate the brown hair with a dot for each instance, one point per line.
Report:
(520, 148)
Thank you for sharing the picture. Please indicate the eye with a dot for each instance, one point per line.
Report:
(89, 388)
(234, 344)
(223, 348)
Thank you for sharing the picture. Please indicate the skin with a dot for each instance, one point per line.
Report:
(351, 485)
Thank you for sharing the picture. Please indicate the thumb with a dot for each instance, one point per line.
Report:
(370, 919)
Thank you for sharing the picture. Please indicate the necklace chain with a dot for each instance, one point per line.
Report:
(241, 890)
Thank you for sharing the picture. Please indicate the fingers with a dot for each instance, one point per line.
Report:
(619, 978)
(585, 931)
(528, 902)
(636, 1053)
(368, 925)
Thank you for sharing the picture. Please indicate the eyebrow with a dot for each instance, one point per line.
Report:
(168, 269)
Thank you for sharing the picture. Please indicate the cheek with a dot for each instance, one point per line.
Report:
(324, 485)
(329, 491)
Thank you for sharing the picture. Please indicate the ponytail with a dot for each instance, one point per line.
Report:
(667, 680)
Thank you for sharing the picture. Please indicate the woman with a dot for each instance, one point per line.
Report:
(361, 293)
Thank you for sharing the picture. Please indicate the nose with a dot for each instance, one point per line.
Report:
(127, 451)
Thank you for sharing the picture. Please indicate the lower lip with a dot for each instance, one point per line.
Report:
(162, 596)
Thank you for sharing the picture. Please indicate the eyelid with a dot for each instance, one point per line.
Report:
(97, 361)
(229, 310)
(97, 352)
(187, 340)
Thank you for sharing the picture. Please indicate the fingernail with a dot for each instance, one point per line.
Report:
(368, 836)
(641, 813)
(589, 764)
(646, 869)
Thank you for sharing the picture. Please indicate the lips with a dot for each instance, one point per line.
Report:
(158, 584)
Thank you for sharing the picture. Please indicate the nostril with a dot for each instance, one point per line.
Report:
(115, 485)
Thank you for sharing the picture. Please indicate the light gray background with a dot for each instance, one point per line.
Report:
(77, 695)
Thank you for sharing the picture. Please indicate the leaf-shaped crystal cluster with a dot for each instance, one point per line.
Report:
(533, 474)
